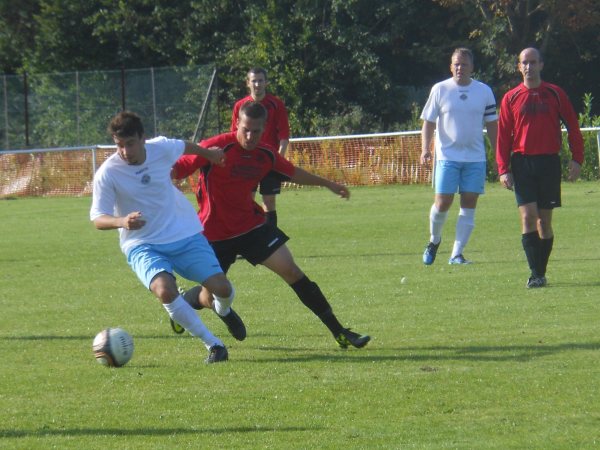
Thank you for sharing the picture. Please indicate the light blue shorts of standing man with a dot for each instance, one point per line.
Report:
(192, 258)
(455, 176)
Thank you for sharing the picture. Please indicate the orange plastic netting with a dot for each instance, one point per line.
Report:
(356, 161)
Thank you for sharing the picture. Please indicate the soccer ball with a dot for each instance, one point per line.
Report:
(113, 347)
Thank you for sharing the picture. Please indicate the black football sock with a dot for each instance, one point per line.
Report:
(191, 296)
(272, 218)
(532, 246)
(545, 250)
(310, 294)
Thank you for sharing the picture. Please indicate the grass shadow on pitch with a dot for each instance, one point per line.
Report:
(80, 337)
(72, 432)
(472, 353)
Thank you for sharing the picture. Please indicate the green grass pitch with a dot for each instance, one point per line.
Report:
(461, 357)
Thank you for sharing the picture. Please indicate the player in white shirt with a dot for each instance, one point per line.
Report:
(159, 231)
(458, 107)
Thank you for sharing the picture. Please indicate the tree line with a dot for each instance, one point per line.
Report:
(341, 66)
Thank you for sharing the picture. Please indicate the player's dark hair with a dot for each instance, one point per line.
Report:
(256, 70)
(254, 110)
(463, 51)
(126, 124)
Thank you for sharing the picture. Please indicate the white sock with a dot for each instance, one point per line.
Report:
(182, 313)
(223, 304)
(464, 228)
(437, 220)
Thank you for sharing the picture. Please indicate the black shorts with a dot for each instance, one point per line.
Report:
(255, 246)
(270, 185)
(537, 179)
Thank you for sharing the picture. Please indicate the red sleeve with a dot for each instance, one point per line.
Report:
(283, 125)
(504, 141)
(186, 165)
(234, 116)
(283, 166)
(569, 117)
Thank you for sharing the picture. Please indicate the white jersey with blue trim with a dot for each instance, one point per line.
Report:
(121, 188)
(460, 113)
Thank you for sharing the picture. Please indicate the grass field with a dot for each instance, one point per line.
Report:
(461, 357)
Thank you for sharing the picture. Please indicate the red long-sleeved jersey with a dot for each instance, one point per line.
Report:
(226, 206)
(530, 123)
(277, 127)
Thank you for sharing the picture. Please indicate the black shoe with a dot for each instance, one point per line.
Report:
(347, 337)
(217, 353)
(235, 325)
(191, 296)
(535, 282)
(176, 327)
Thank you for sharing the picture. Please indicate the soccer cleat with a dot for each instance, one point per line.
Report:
(430, 252)
(535, 282)
(347, 337)
(235, 325)
(217, 353)
(176, 327)
(459, 259)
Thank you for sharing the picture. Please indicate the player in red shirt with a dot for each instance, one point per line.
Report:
(276, 134)
(527, 153)
(235, 225)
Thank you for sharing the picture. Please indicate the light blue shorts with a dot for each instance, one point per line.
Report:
(453, 176)
(192, 258)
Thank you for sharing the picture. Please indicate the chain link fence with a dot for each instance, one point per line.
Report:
(73, 108)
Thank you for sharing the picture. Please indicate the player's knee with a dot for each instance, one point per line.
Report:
(545, 228)
(219, 285)
(164, 290)
(292, 274)
(224, 291)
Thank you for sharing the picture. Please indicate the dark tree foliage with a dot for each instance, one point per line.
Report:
(342, 66)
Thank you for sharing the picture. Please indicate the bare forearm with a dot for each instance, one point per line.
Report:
(310, 179)
(427, 132)
(132, 221)
(492, 132)
(303, 177)
(107, 222)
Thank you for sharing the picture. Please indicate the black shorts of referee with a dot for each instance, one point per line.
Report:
(537, 179)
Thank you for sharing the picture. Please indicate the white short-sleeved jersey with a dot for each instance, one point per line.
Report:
(459, 113)
(121, 188)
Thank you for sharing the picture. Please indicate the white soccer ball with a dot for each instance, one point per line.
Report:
(113, 347)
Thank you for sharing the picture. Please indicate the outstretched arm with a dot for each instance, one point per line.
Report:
(301, 176)
(214, 154)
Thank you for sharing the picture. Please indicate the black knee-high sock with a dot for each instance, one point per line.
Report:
(310, 294)
(271, 218)
(192, 297)
(532, 246)
(545, 250)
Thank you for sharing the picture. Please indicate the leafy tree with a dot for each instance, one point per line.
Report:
(330, 59)
(17, 32)
(63, 39)
(355, 65)
(565, 31)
